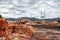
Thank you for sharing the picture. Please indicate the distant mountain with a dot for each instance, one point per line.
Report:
(53, 19)
(11, 19)
(27, 18)
(32, 19)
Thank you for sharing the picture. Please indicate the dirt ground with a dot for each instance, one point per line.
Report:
(41, 34)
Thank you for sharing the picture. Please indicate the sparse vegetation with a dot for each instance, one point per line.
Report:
(0, 16)
(59, 21)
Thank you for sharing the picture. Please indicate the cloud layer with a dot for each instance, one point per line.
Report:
(30, 8)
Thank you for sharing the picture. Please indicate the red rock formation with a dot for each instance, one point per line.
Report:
(23, 30)
(1, 33)
(6, 29)
(9, 28)
(28, 30)
(3, 25)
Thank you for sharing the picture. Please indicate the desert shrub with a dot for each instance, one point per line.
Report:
(59, 21)
(0, 16)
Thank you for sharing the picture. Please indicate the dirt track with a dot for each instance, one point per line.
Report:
(47, 33)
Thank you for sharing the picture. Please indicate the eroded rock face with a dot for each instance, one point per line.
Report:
(1, 33)
(23, 29)
(18, 32)
(3, 25)
(11, 31)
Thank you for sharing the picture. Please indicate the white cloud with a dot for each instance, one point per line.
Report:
(15, 2)
(26, 1)
(51, 3)
(4, 10)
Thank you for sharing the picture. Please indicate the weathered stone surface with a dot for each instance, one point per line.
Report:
(3, 25)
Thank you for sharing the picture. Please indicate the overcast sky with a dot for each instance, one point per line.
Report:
(29, 8)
